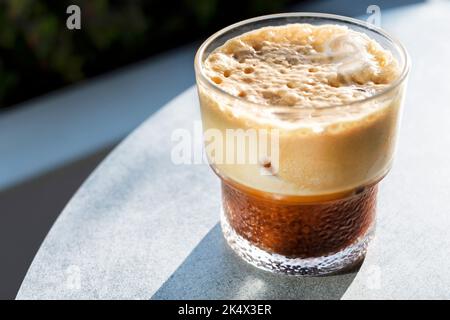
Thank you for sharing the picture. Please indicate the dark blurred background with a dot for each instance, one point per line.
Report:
(38, 54)
(67, 97)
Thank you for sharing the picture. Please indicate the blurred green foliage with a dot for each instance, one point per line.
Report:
(38, 53)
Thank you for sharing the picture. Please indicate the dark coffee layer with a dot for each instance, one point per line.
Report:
(295, 229)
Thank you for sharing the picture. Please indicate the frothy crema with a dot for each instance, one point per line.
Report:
(301, 65)
(313, 77)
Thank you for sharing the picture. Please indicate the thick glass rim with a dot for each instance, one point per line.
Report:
(198, 61)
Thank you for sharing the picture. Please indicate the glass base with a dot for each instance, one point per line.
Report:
(315, 266)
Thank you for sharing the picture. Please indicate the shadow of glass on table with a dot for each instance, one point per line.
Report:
(214, 271)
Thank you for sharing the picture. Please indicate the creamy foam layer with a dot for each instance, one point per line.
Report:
(286, 78)
(301, 65)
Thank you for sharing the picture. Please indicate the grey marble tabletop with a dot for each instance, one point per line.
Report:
(142, 227)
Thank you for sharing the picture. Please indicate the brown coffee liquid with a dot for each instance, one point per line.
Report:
(299, 227)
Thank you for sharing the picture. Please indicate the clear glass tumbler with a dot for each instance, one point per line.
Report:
(324, 227)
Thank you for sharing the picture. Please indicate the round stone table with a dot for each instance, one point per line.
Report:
(141, 227)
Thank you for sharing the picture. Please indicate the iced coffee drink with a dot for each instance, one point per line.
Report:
(326, 92)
